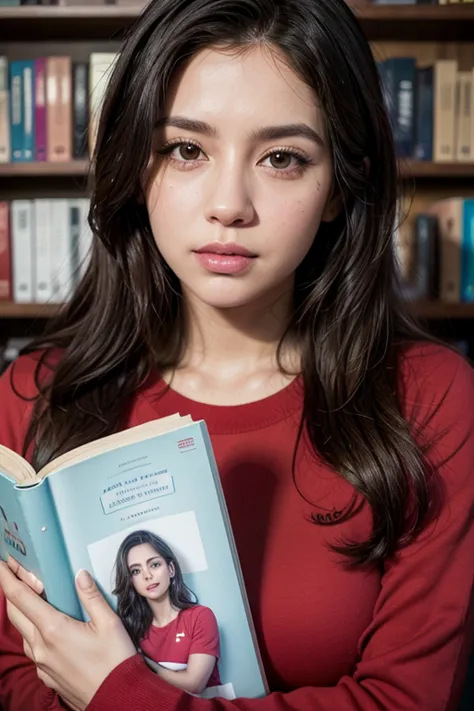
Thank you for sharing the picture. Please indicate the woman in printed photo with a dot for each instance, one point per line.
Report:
(162, 615)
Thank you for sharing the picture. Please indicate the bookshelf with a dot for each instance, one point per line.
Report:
(424, 31)
(380, 22)
(76, 168)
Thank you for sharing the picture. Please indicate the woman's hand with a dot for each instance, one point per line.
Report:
(71, 657)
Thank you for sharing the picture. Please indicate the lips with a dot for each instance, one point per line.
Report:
(226, 259)
(230, 249)
(152, 587)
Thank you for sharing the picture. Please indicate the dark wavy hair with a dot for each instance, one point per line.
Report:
(133, 609)
(125, 319)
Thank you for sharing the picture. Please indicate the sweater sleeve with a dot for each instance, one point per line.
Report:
(20, 688)
(413, 655)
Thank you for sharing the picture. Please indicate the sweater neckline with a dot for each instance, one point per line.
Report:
(222, 419)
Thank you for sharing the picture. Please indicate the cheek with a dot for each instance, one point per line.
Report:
(295, 226)
(170, 204)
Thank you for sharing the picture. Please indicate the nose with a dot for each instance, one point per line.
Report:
(229, 201)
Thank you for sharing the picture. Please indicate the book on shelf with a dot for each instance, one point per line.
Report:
(435, 252)
(45, 247)
(430, 108)
(50, 106)
(142, 510)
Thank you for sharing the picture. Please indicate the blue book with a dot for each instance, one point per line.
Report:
(424, 96)
(467, 252)
(17, 119)
(398, 76)
(22, 110)
(99, 506)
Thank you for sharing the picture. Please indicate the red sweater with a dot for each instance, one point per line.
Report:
(395, 638)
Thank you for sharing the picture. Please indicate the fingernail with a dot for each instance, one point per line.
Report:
(84, 580)
(36, 582)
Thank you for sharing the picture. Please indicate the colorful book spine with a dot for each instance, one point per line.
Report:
(29, 110)
(59, 110)
(467, 253)
(40, 110)
(5, 257)
(4, 112)
(80, 109)
(16, 111)
(424, 114)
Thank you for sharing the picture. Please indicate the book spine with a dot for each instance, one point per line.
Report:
(444, 109)
(400, 76)
(75, 232)
(43, 282)
(5, 253)
(80, 109)
(467, 258)
(16, 111)
(39, 511)
(424, 114)
(449, 213)
(22, 250)
(61, 250)
(85, 244)
(464, 116)
(4, 112)
(426, 256)
(40, 109)
(29, 110)
(100, 68)
(58, 114)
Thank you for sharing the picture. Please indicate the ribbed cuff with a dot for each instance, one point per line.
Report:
(132, 685)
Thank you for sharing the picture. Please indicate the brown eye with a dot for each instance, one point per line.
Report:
(188, 151)
(280, 160)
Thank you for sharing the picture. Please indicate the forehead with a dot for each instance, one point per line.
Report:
(140, 552)
(252, 87)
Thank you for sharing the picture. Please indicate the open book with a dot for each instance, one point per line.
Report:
(102, 506)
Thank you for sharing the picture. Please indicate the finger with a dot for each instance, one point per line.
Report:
(29, 578)
(22, 597)
(21, 623)
(92, 600)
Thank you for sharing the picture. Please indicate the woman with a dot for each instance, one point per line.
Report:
(161, 616)
(242, 271)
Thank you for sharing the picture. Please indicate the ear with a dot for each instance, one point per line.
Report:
(172, 570)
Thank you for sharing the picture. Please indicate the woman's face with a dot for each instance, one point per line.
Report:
(247, 173)
(149, 572)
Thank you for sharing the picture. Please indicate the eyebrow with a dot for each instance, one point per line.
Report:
(265, 133)
(139, 565)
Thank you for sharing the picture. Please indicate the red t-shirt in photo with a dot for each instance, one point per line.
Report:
(193, 631)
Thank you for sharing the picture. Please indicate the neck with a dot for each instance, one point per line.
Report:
(236, 340)
(163, 611)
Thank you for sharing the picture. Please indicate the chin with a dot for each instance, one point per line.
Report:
(226, 295)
